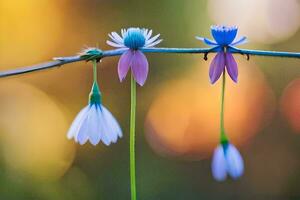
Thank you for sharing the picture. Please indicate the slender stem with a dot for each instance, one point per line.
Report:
(95, 94)
(223, 136)
(59, 61)
(132, 139)
(95, 70)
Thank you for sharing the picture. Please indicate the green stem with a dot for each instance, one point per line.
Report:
(95, 70)
(223, 136)
(132, 139)
(95, 94)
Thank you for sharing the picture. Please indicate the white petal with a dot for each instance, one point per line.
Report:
(110, 43)
(149, 34)
(81, 137)
(218, 165)
(112, 127)
(149, 41)
(145, 32)
(77, 122)
(123, 32)
(115, 40)
(113, 122)
(235, 163)
(102, 127)
(154, 43)
(93, 132)
(117, 37)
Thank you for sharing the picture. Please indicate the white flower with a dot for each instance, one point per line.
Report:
(227, 160)
(133, 38)
(95, 123)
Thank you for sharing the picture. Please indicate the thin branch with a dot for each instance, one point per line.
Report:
(179, 50)
(59, 61)
(265, 53)
(38, 67)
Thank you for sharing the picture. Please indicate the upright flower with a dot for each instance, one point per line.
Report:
(94, 122)
(227, 160)
(224, 37)
(132, 40)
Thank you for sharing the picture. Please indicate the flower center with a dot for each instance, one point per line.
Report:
(134, 38)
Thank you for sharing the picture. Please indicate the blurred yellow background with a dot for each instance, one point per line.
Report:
(178, 109)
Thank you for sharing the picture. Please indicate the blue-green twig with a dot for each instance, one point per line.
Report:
(265, 53)
(109, 53)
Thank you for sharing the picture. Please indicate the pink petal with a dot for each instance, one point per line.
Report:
(231, 66)
(124, 64)
(139, 67)
(216, 67)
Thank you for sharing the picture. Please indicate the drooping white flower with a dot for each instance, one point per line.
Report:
(227, 160)
(95, 123)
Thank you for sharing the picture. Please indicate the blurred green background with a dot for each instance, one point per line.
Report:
(178, 110)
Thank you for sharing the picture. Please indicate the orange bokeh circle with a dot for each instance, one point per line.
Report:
(290, 104)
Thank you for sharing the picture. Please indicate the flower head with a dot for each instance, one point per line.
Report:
(135, 38)
(95, 123)
(91, 53)
(227, 160)
(224, 37)
(132, 40)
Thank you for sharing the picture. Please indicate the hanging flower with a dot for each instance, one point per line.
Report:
(224, 37)
(227, 160)
(132, 40)
(95, 123)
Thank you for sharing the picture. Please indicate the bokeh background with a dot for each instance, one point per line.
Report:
(178, 110)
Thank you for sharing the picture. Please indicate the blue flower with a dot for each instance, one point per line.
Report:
(224, 37)
(95, 123)
(227, 160)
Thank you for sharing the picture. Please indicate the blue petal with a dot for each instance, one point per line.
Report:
(207, 41)
(240, 41)
(224, 35)
(235, 163)
(218, 165)
(230, 36)
(218, 36)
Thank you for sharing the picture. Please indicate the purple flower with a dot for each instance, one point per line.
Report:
(227, 160)
(132, 40)
(224, 37)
